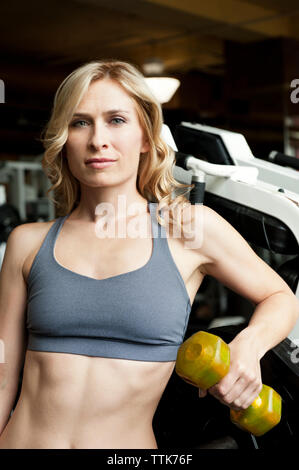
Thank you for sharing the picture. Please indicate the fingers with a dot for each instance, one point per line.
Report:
(237, 392)
(246, 398)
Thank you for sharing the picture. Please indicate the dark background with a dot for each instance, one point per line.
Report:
(235, 59)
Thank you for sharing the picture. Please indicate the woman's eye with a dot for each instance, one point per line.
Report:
(119, 120)
(78, 123)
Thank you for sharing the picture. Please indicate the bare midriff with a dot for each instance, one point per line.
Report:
(71, 401)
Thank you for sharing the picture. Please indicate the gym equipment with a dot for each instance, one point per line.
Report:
(259, 198)
(9, 219)
(29, 199)
(203, 360)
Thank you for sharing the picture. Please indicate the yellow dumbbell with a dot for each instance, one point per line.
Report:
(203, 360)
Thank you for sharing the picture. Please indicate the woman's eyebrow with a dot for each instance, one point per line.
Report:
(111, 111)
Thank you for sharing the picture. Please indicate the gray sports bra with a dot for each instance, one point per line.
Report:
(140, 315)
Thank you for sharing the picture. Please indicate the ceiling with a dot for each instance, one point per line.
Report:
(41, 42)
(185, 35)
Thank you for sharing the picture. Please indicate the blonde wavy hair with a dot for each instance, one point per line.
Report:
(155, 180)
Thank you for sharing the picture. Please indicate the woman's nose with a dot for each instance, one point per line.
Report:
(99, 136)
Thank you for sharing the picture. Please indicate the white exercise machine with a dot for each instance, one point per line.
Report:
(259, 198)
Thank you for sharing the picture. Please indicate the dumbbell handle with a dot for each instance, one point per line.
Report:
(203, 360)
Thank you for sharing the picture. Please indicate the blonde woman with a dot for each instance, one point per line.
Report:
(96, 302)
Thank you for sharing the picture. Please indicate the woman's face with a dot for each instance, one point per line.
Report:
(105, 125)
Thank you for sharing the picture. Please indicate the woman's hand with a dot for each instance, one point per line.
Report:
(243, 383)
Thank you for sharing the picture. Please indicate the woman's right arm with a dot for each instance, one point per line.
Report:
(13, 335)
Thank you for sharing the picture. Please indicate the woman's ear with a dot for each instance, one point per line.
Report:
(146, 146)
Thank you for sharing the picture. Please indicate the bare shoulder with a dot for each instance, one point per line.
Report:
(232, 261)
(213, 233)
(30, 232)
(193, 218)
(205, 232)
(26, 239)
(188, 228)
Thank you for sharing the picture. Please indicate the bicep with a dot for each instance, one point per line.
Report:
(13, 299)
(232, 261)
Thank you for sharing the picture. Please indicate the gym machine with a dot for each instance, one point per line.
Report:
(260, 200)
(24, 185)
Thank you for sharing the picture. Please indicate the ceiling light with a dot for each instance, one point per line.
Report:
(162, 87)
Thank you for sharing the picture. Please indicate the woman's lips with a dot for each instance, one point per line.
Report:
(98, 164)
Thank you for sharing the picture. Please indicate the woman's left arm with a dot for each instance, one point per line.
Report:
(231, 260)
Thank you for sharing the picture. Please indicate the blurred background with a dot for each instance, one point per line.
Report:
(235, 61)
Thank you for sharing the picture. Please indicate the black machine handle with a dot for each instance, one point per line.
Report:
(197, 193)
(284, 160)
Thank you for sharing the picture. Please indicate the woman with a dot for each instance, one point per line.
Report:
(108, 309)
